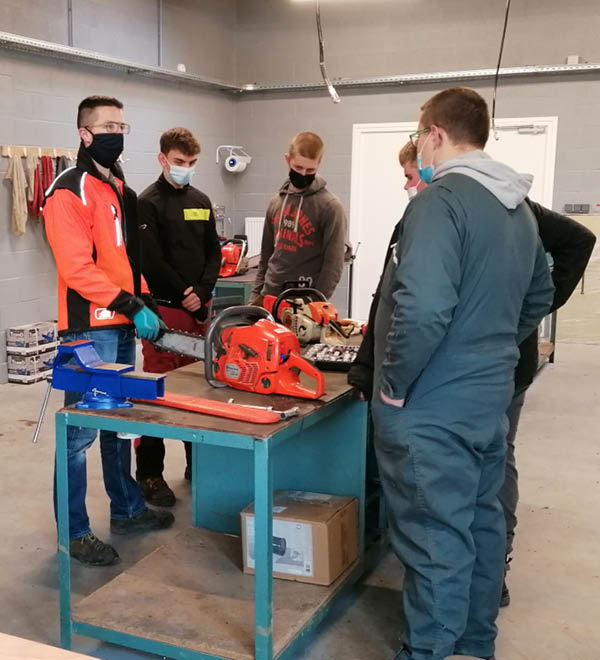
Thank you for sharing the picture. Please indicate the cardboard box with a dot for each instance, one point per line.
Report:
(26, 365)
(28, 380)
(32, 334)
(32, 350)
(315, 536)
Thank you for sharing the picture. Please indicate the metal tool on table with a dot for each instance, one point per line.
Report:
(283, 414)
(247, 350)
(105, 385)
(310, 316)
(234, 256)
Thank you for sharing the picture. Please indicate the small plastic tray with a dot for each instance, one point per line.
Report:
(331, 357)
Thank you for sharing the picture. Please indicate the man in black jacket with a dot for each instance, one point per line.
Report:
(570, 245)
(181, 257)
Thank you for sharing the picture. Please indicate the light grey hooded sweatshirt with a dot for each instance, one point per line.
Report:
(510, 187)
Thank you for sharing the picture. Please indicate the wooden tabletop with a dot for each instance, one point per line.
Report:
(190, 380)
(16, 648)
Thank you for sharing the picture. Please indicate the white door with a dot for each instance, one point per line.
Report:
(378, 199)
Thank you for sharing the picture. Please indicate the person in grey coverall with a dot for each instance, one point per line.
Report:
(468, 281)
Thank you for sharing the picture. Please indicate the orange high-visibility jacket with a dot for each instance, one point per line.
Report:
(91, 225)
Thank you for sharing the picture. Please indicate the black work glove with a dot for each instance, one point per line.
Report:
(360, 376)
(150, 303)
(202, 313)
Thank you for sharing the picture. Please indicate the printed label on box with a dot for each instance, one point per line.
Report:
(292, 547)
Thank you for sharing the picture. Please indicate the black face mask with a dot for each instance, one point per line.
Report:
(301, 181)
(106, 148)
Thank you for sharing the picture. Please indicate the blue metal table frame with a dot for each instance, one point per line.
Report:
(323, 450)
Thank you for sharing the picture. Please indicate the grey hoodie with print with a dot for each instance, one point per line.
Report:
(303, 239)
(469, 280)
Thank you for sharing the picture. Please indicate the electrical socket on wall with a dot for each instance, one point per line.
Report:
(577, 208)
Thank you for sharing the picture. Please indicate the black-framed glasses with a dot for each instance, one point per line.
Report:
(112, 127)
(414, 137)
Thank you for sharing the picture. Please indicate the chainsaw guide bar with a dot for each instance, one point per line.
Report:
(239, 412)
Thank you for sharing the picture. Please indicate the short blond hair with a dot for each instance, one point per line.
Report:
(408, 154)
(306, 144)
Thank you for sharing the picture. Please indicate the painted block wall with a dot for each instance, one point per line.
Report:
(38, 104)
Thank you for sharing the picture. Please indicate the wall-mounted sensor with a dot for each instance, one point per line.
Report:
(236, 159)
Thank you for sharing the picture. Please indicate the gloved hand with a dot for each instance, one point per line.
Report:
(147, 324)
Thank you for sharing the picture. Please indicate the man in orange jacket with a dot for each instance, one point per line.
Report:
(91, 223)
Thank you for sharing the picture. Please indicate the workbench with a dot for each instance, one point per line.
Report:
(239, 285)
(214, 610)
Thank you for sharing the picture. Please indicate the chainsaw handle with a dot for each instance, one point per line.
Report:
(231, 317)
(237, 240)
(314, 294)
(302, 364)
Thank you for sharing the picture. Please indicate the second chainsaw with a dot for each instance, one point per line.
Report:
(310, 316)
(234, 257)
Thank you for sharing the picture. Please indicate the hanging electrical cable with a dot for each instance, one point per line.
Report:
(330, 88)
(498, 69)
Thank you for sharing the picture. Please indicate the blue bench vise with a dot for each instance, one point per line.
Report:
(105, 385)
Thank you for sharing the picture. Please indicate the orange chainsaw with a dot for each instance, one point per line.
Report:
(233, 257)
(246, 349)
(309, 315)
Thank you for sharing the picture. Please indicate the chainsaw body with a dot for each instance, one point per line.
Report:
(263, 357)
(309, 315)
(233, 257)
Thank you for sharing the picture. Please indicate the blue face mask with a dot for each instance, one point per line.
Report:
(425, 173)
(181, 175)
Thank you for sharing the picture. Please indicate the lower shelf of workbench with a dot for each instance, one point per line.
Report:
(191, 593)
(545, 351)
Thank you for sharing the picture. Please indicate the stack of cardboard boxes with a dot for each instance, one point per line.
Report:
(31, 349)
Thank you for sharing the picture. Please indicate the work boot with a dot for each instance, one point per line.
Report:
(90, 550)
(157, 492)
(146, 521)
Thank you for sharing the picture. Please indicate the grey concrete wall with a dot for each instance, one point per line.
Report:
(265, 125)
(38, 103)
(128, 30)
(201, 36)
(38, 19)
(277, 40)
(277, 43)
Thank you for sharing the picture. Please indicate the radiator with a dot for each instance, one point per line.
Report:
(254, 231)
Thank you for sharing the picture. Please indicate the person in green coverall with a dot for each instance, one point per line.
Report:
(467, 282)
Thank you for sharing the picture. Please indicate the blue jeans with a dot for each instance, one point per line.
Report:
(126, 499)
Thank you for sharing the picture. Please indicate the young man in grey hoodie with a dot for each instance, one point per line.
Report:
(304, 236)
(467, 282)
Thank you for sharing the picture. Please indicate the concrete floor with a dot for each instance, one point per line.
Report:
(555, 580)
